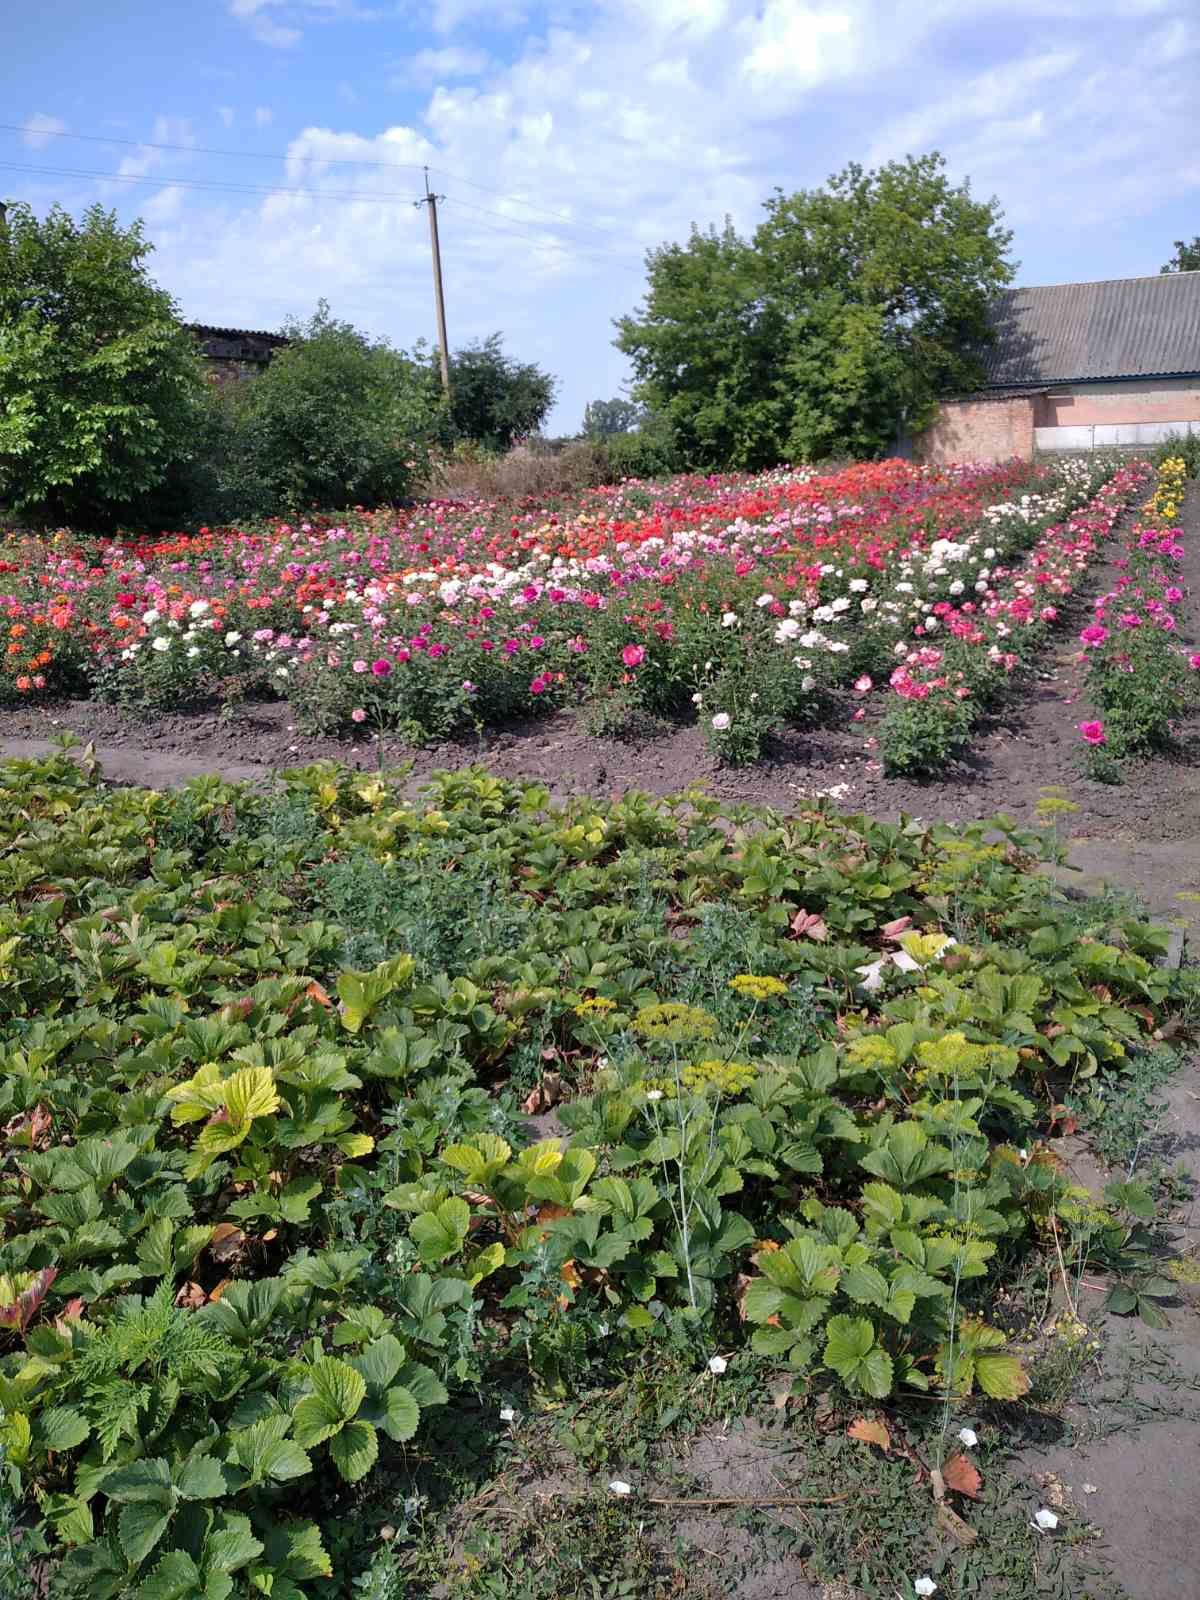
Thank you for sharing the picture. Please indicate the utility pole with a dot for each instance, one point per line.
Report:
(431, 201)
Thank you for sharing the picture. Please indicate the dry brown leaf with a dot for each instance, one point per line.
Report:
(317, 993)
(869, 1431)
(960, 1475)
(190, 1297)
(950, 1522)
(226, 1242)
(549, 1092)
(215, 1294)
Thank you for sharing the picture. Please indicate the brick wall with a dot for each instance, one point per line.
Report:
(979, 430)
(1093, 416)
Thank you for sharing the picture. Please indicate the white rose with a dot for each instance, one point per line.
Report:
(161, 643)
(231, 638)
(721, 721)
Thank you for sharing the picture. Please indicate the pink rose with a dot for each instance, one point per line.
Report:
(1093, 732)
(358, 715)
(633, 655)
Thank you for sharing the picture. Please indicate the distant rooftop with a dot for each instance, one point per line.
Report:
(236, 344)
(1080, 332)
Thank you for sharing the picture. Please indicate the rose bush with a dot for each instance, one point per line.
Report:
(747, 598)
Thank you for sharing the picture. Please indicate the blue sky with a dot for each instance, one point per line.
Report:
(569, 137)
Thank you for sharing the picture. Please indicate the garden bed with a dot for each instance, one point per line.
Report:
(747, 604)
(280, 1240)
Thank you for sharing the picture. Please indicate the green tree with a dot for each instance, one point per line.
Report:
(840, 322)
(336, 419)
(705, 349)
(100, 385)
(604, 418)
(495, 399)
(1186, 257)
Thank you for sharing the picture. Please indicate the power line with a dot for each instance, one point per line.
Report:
(222, 186)
(519, 233)
(271, 155)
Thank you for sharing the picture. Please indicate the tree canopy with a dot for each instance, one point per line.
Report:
(1186, 257)
(100, 385)
(602, 419)
(837, 324)
(336, 419)
(495, 399)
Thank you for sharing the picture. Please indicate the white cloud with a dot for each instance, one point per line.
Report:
(988, 95)
(146, 159)
(618, 125)
(38, 130)
(438, 66)
(165, 204)
(256, 15)
(263, 116)
(791, 48)
(280, 23)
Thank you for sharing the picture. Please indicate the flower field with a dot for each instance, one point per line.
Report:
(747, 602)
(1140, 678)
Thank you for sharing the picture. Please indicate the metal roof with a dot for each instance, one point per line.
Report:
(1075, 332)
(206, 331)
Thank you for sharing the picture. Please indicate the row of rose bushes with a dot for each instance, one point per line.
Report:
(746, 601)
(943, 690)
(1137, 674)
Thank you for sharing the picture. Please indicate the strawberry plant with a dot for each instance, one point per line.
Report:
(265, 1209)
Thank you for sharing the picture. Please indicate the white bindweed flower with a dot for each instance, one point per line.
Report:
(969, 1437)
(1045, 1521)
(507, 1414)
(924, 1586)
(717, 1365)
(619, 1486)
(872, 974)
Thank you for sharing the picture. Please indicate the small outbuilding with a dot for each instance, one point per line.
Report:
(233, 353)
(1079, 366)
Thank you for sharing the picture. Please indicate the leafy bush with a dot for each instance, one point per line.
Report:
(265, 1211)
(101, 384)
(335, 420)
(1183, 447)
(494, 399)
